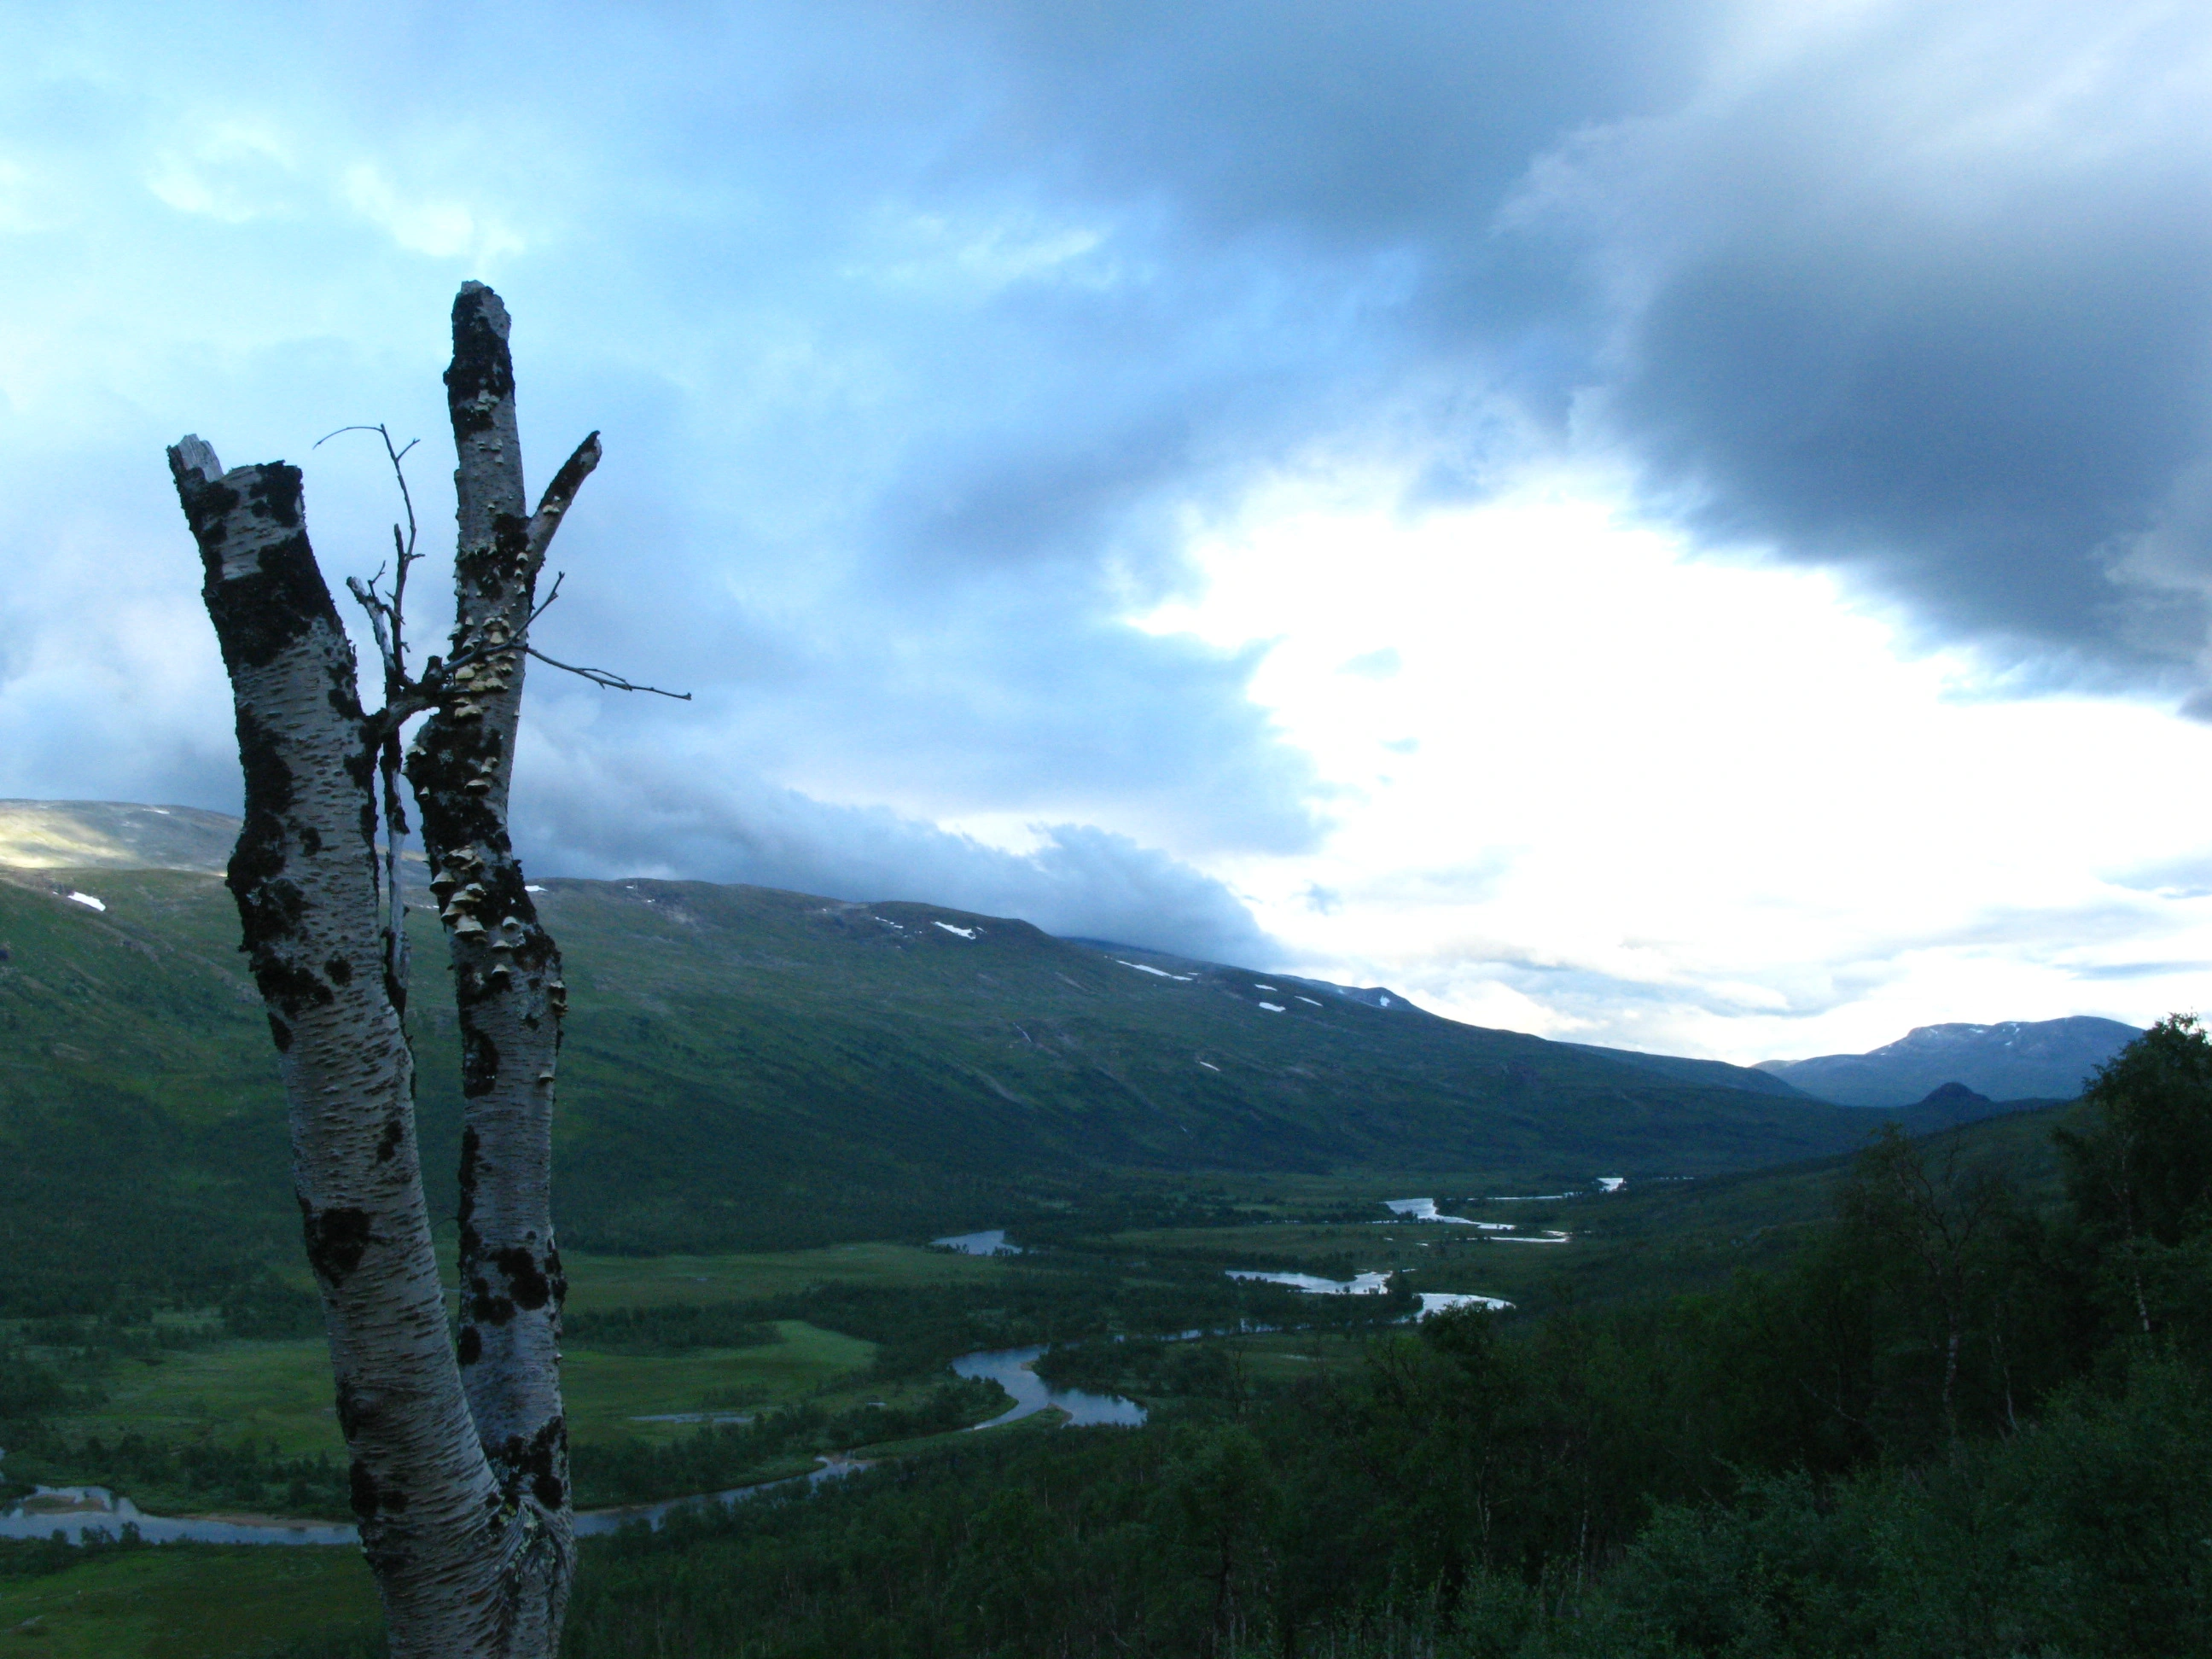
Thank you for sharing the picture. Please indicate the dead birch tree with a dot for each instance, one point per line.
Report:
(458, 1451)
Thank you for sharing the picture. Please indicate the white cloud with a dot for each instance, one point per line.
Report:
(422, 222)
(1687, 804)
(232, 170)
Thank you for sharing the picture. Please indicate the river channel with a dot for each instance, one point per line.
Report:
(1009, 1369)
(73, 1511)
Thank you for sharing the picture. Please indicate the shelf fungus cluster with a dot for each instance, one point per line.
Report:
(486, 677)
(457, 893)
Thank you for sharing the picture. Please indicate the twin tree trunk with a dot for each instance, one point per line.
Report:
(459, 1450)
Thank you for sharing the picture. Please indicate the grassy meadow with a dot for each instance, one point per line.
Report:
(190, 1602)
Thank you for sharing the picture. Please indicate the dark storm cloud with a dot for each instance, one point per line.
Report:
(1923, 292)
(1933, 304)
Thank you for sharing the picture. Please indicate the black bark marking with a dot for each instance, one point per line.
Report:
(470, 1348)
(442, 763)
(257, 613)
(471, 1244)
(268, 787)
(339, 969)
(524, 1281)
(311, 839)
(336, 1238)
(370, 1499)
(545, 1460)
(286, 987)
(482, 371)
(487, 1308)
(280, 1034)
(479, 1063)
(387, 1144)
(350, 1415)
(258, 859)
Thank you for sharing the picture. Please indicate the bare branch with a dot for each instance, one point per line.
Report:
(394, 610)
(365, 593)
(559, 576)
(601, 676)
(561, 494)
(402, 700)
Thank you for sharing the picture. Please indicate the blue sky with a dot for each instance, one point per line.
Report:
(1682, 525)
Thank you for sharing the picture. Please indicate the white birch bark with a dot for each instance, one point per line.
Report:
(446, 1550)
(506, 968)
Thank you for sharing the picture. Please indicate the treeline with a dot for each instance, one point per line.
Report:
(200, 1475)
(675, 1327)
(1958, 1424)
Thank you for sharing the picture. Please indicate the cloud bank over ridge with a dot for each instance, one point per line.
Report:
(635, 818)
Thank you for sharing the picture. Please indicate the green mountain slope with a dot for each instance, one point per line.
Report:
(751, 1067)
(870, 1041)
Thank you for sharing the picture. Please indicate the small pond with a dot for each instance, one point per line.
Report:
(1363, 1285)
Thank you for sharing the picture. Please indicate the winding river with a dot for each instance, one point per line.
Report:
(1009, 1369)
(74, 1511)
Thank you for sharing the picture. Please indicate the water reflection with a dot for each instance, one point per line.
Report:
(1436, 1301)
(73, 1511)
(1376, 1284)
(992, 1243)
(1362, 1285)
(597, 1523)
(1009, 1369)
(1425, 1209)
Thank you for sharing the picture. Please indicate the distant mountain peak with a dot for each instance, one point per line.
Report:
(2009, 1060)
(1953, 1094)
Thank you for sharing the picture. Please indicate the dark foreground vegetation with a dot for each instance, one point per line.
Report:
(1957, 1423)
